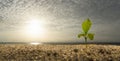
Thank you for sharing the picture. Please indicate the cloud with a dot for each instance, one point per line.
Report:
(63, 15)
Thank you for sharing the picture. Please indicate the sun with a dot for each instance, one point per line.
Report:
(34, 28)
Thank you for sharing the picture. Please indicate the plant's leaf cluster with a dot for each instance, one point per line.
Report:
(86, 25)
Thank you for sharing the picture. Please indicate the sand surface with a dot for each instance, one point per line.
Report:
(27, 52)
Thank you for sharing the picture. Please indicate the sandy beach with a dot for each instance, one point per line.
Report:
(28, 52)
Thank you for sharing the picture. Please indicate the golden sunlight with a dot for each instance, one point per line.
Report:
(35, 43)
(34, 28)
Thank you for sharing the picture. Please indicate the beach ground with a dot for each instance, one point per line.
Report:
(28, 52)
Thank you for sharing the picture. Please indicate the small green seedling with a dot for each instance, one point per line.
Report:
(86, 25)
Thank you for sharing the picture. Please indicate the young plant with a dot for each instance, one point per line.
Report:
(86, 25)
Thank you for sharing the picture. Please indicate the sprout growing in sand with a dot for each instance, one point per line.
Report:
(86, 25)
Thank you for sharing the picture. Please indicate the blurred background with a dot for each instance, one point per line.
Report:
(58, 20)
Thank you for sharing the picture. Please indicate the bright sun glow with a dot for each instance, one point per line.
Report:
(35, 43)
(35, 28)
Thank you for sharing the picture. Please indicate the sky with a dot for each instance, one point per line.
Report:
(58, 20)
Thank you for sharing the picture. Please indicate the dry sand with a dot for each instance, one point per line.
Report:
(27, 52)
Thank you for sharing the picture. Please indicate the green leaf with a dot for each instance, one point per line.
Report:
(91, 36)
(86, 25)
(79, 35)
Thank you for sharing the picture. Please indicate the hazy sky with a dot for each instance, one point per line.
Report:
(60, 19)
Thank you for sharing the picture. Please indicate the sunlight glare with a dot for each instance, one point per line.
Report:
(35, 43)
(35, 28)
